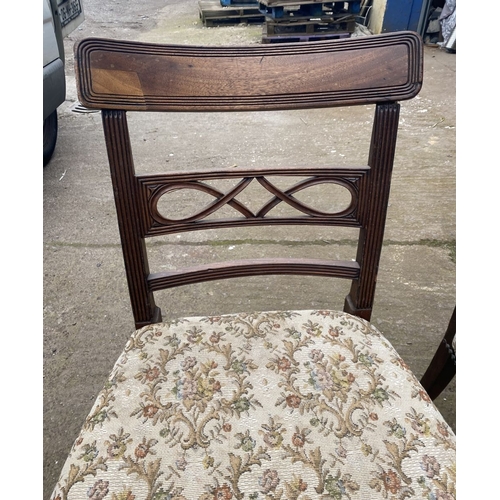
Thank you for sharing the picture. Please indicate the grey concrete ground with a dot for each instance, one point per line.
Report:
(87, 318)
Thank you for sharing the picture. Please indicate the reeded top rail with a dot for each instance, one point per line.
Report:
(139, 76)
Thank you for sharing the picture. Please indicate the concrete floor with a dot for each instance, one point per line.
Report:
(87, 318)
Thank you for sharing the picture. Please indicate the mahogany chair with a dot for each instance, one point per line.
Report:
(274, 404)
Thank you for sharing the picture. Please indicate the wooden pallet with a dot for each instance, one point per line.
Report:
(212, 13)
(308, 26)
(291, 38)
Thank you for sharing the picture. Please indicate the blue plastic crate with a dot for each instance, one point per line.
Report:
(227, 3)
(306, 8)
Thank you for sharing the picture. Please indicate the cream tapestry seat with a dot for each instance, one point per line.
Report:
(310, 404)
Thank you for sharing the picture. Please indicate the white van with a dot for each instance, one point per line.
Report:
(60, 17)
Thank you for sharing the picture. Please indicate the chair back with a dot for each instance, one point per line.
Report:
(117, 77)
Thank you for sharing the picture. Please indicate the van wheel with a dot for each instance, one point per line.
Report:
(49, 136)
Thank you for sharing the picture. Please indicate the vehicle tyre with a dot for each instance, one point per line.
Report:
(49, 136)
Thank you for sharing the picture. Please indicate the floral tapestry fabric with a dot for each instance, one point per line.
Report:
(275, 405)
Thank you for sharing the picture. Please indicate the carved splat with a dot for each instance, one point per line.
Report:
(153, 188)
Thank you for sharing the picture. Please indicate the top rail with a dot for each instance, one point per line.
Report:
(138, 76)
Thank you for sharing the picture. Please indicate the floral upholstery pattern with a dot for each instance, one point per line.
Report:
(273, 405)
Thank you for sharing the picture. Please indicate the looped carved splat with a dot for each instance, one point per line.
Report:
(350, 179)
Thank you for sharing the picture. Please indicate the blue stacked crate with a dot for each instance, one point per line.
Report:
(227, 3)
(308, 20)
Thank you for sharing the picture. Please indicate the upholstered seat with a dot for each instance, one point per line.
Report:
(309, 404)
(270, 405)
